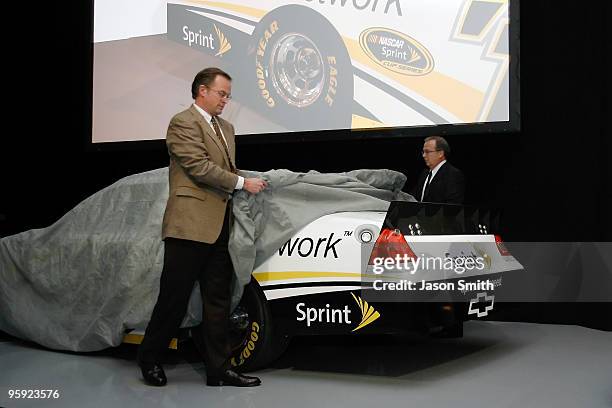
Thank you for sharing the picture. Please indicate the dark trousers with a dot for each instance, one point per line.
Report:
(184, 263)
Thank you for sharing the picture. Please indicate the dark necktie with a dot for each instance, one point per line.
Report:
(426, 185)
(215, 125)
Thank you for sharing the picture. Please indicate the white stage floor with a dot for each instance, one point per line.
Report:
(494, 365)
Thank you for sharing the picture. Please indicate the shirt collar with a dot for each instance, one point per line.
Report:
(207, 116)
(435, 169)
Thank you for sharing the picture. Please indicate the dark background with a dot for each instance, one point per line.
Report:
(551, 179)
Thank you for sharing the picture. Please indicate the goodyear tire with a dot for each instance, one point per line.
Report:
(252, 338)
(302, 73)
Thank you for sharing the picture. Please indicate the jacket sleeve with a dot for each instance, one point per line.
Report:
(186, 147)
(455, 189)
(416, 191)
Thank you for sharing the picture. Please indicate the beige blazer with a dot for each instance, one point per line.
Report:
(201, 179)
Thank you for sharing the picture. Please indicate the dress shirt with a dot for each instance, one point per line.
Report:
(433, 174)
(207, 117)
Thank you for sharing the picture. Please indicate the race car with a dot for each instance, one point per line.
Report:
(323, 280)
(314, 254)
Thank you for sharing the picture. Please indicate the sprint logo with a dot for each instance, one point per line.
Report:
(368, 313)
(198, 39)
(194, 28)
(224, 44)
(331, 315)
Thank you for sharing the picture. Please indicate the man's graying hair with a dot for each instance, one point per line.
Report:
(441, 144)
(206, 77)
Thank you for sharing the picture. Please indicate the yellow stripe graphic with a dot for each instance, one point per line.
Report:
(307, 276)
(137, 339)
(359, 122)
(249, 11)
(276, 276)
(456, 97)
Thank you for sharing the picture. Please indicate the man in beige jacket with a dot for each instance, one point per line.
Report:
(196, 231)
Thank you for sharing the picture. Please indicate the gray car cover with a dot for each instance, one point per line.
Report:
(82, 282)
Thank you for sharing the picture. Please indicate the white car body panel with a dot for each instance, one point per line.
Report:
(302, 266)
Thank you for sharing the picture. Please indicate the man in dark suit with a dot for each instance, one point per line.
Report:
(441, 182)
(195, 230)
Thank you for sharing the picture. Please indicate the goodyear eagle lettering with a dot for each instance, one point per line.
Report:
(333, 81)
(259, 69)
(249, 347)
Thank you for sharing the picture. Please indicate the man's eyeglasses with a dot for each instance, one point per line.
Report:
(429, 151)
(221, 94)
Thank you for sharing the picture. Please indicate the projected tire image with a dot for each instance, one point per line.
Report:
(297, 70)
(302, 72)
(253, 343)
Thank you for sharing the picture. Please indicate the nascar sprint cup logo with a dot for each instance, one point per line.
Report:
(396, 51)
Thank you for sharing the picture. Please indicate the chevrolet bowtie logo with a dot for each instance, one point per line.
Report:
(368, 313)
(480, 305)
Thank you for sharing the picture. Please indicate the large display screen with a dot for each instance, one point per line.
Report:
(302, 65)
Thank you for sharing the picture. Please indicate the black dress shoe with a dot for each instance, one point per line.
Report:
(229, 377)
(153, 374)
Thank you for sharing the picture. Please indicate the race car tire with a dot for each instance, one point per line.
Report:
(301, 74)
(253, 340)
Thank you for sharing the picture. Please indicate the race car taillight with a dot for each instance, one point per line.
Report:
(501, 247)
(390, 244)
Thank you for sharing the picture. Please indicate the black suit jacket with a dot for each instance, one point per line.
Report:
(448, 186)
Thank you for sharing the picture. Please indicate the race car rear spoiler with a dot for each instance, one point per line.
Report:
(417, 218)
